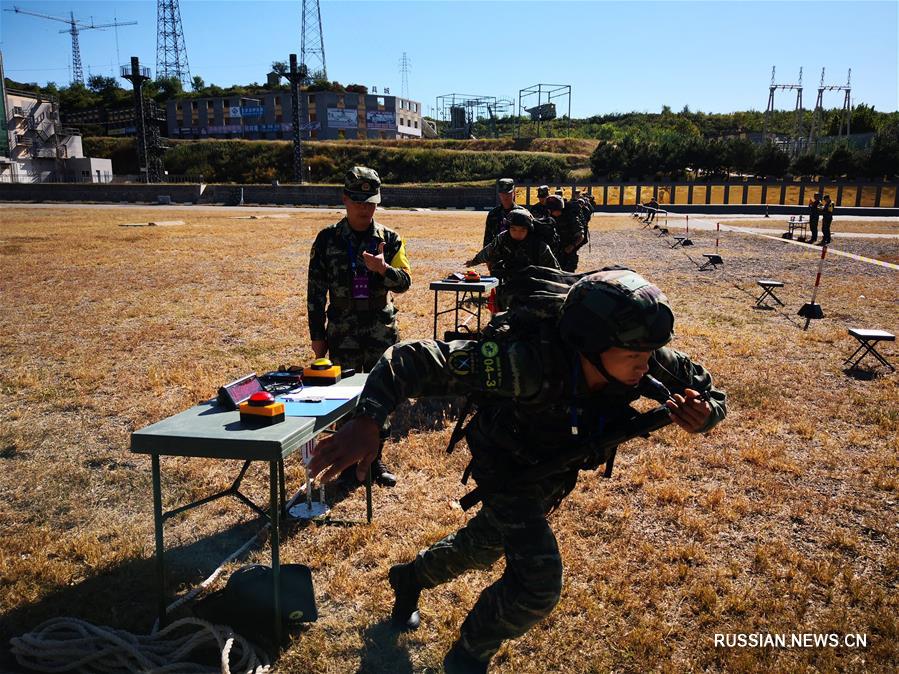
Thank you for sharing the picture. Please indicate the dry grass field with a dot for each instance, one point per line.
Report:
(783, 520)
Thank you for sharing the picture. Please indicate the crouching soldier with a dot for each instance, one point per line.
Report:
(556, 389)
(516, 248)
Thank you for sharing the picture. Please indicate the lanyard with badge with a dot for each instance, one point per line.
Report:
(359, 277)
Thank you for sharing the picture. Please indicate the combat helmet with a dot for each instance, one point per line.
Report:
(615, 307)
(521, 218)
(555, 203)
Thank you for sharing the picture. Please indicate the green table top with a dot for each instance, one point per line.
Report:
(209, 430)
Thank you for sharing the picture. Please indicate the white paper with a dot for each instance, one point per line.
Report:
(322, 393)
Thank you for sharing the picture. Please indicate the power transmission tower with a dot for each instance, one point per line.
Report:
(312, 42)
(73, 29)
(405, 66)
(171, 53)
(796, 142)
(818, 115)
(146, 120)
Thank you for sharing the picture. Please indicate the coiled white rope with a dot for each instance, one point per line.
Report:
(73, 645)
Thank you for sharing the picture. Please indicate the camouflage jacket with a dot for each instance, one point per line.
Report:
(529, 393)
(336, 250)
(570, 225)
(505, 255)
(497, 222)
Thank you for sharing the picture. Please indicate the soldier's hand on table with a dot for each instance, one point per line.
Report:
(356, 443)
(375, 263)
(319, 347)
(689, 411)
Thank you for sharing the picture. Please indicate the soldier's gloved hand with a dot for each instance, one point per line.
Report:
(375, 263)
(319, 347)
(356, 443)
(689, 411)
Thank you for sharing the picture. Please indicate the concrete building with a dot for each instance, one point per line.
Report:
(325, 115)
(40, 149)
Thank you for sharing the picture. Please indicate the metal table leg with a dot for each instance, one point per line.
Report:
(158, 524)
(368, 508)
(275, 513)
(435, 314)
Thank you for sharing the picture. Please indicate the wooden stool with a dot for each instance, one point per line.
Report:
(868, 341)
(768, 286)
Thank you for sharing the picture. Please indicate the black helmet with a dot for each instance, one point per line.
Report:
(521, 218)
(554, 203)
(615, 307)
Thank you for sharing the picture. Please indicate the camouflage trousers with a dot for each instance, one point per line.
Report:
(529, 589)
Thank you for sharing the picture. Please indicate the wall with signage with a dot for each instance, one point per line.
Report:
(343, 118)
(380, 119)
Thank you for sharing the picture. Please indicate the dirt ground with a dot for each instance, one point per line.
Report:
(783, 520)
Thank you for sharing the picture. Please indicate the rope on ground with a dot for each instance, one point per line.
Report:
(73, 645)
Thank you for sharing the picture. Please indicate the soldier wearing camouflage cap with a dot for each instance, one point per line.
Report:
(550, 387)
(539, 209)
(497, 218)
(353, 267)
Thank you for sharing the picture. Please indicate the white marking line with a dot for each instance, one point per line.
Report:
(851, 256)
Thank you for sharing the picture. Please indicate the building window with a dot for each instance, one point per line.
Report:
(380, 102)
(416, 123)
(312, 116)
(382, 134)
(277, 100)
(341, 101)
(313, 134)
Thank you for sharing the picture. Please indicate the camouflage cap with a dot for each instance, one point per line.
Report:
(505, 185)
(543, 191)
(616, 307)
(363, 185)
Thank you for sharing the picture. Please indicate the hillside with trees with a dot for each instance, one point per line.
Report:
(616, 146)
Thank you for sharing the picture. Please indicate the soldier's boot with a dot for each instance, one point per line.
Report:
(406, 590)
(382, 474)
(460, 661)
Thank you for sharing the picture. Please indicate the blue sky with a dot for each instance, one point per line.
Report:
(712, 56)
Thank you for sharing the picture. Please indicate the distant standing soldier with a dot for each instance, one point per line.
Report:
(516, 248)
(497, 218)
(570, 228)
(355, 264)
(826, 220)
(539, 209)
(814, 210)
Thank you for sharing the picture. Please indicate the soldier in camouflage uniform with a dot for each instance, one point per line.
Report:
(570, 226)
(540, 393)
(516, 248)
(497, 219)
(539, 209)
(354, 265)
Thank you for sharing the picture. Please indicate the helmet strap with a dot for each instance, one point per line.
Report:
(595, 359)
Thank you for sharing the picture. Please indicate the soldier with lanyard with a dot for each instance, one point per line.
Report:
(497, 218)
(353, 266)
(542, 393)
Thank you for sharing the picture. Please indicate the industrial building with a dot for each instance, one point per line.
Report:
(39, 149)
(324, 115)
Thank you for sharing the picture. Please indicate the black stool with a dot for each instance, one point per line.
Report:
(663, 231)
(681, 241)
(868, 341)
(768, 286)
(712, 260)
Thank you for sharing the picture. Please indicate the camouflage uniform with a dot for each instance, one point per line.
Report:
(571, 233)
(504, 255)
(498, 218)
(357, 330)
(530, 391)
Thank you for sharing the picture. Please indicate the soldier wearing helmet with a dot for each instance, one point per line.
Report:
(549, 386)
(516, 248)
